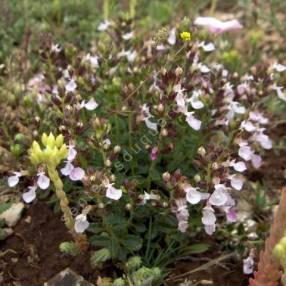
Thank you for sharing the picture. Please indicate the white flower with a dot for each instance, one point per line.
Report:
(209, 219)
(128, 36)
(207, 47)
(256, 161)
(248, 265)
(245, 152)
(71, 86)
(146, 118)
(90, 105)
(247, 126)
(14, 180)
(236, 181)
(217, 26)
(194, 100)
(278, 67)
(160, 47)
(67, 168)
(236, 107)
(193, 122)
(76, 174)
(71, 153)
(264, 141)
(193, 196)
(210, 229)
(81, 223)
(93, 60)
(29, 196)
(147, 197)
(219, 196)
(43, 181)
(113, 193)
(202, 68)
(238, 166)
(131, 56)
(279, 91)
(103, 26)
(258, 117)
(172, 37)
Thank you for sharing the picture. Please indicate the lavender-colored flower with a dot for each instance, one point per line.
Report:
(216, 26)
(113, 193)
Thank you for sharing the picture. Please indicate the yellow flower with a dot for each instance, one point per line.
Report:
(185, 36)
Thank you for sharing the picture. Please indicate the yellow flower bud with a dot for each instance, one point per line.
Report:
(59, 140)
(51, 141)
(47, 154)
(63, 152)
(279, 251)
(35, 160)
(45, 139)
(283, 242)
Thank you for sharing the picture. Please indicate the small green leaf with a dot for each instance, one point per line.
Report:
(197, 248)
(100, 256)
(102, 240)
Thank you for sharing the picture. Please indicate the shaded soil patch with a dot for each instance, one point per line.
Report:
(36, 257)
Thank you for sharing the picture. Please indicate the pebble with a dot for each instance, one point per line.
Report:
(67, 277)
(13, 214)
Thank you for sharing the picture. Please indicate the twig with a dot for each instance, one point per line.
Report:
(202, 267)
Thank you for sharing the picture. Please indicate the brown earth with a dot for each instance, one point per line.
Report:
(31, 256)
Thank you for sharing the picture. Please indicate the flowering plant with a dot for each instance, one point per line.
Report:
(161, 138)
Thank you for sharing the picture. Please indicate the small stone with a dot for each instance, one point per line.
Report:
(28, 219)
(67, 277)
(13, 214)
(6, 232)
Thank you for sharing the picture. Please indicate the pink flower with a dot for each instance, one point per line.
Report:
(154, 153)
(113, 193)
(216, 26)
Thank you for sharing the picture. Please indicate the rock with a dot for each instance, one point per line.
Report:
(13, 214)
(67, 277)
(6, 232)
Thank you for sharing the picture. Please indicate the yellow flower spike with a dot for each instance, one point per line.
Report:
(59, 140)
(51, 141)
(45, 139)
(185, 36)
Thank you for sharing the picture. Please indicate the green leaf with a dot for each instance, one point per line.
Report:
(132, 242)
(102, 240)
(100, 256)
(197, 248)
(95, 228)
(4, 207)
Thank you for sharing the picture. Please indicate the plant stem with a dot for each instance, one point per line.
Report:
(132, 8)
(80, 239)
(105, 9)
